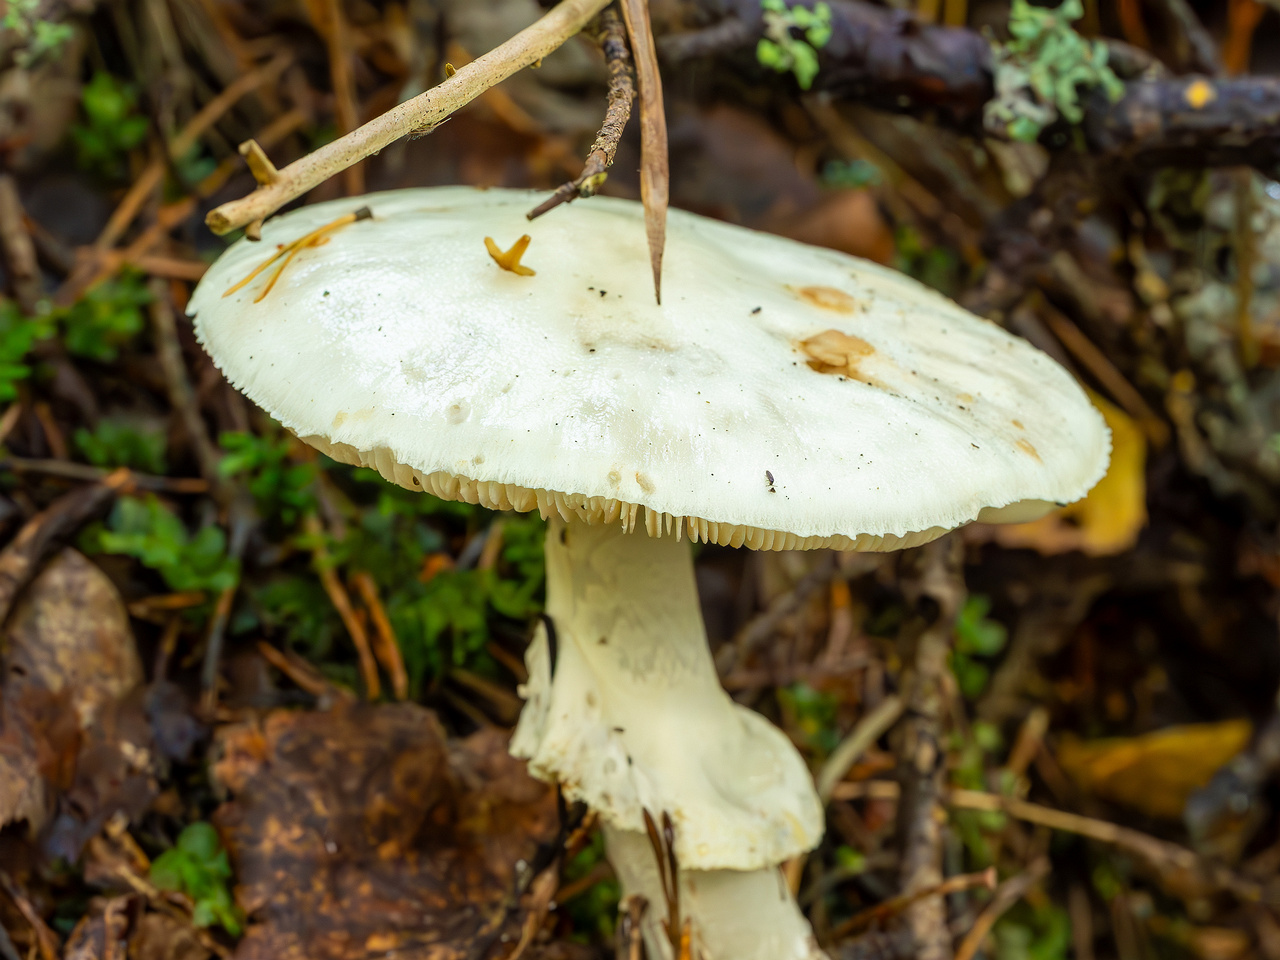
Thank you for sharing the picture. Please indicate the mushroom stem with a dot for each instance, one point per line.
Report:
(635, 717)
(734, 914)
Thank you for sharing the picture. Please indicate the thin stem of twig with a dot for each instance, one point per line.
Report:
(414, 117)
(1007, 894)
(385, 645)
(891, 908)
(182, 396)
(853, 746)
(341, 600)
(617, 57)
(1186, 870)
(82, 471)
(335, 32)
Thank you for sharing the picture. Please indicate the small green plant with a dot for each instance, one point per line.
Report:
(105, 319)
(37, 37)
(781, 50)
(812, 714)
(281, 488)
(976, 636)
(1042, 69)
(153, 534)
(197, 866)
(445, 622)
(1042, 932)
(18, 335)
(117, 443)
(851, 174)
(111, 128)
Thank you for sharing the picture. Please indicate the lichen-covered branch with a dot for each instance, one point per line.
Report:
(885, 59)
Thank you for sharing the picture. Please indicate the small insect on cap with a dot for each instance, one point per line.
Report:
(782, 396)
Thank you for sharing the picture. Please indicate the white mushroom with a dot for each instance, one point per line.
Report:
(781, 397)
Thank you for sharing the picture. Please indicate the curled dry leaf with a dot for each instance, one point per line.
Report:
(1157, 772)
(358, 831)
(69, 720)
(1107, 521)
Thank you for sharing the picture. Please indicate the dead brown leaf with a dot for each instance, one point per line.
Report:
(655, 173)
(70, 668)
(355, 831)
(1157, 772)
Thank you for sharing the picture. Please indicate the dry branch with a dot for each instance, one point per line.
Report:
(414, 117)
(622, 90)
(922, 751)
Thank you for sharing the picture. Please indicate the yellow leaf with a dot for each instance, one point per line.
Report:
(1154, 773)
(1109, 519)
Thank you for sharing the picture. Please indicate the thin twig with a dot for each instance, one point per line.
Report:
(338, 595)
(867, 732)
(385, 645)
(1108, 374)
(182, 397)
(1007, 894)
(82, 471)
(1183, 870)
(655, 174)
(891, 908)
(332, 24)
(303, 674)
(241, 522)
(211, 113)
(761, 627)
(617, 57)
(19, 249)
(415, 117)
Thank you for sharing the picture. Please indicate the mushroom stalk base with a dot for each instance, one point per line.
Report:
(635, 718)
(733, 914)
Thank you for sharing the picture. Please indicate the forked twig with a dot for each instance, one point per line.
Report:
(617, 57)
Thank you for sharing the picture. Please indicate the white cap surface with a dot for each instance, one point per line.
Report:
(781, 396)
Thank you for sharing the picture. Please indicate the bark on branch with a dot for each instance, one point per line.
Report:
(885, 59)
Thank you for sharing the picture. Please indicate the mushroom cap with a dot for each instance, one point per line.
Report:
(781, 396)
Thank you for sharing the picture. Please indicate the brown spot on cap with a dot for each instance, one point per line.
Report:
(827, 298)
(1018, 424)
(1025, 446)
(645, 483)
(837, 352)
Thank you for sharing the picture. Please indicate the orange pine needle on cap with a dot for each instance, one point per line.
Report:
(288, 251)
(510, 260)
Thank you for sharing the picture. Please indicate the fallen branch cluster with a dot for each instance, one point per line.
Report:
(884, 58)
